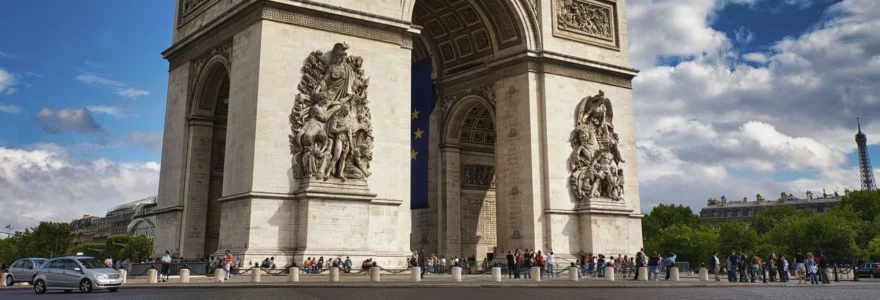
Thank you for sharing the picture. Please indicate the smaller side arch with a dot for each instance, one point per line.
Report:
(455, 119)
(205, 88)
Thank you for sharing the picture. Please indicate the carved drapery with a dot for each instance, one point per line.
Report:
(477, 175)
(331, 125)
(595, 159)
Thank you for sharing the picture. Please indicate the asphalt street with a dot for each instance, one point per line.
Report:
(800, 293)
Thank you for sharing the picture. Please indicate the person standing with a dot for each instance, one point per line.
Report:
(166, 265)
(743, 266)
(423, 262)
(227, 265)
(782, 265)
(670, 263)
(823, 268)
(511, 265)
(800, 268)
(732, 262)
(716, 265)
(551, 259)
(653, 265)
(640, 262)
(812, 268)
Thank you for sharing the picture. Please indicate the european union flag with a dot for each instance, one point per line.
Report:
(422, 104)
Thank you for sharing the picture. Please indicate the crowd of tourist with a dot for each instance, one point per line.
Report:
(741, 267)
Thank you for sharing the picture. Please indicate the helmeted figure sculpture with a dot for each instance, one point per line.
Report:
(595, 159)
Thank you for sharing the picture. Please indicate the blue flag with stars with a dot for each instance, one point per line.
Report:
(422, 104)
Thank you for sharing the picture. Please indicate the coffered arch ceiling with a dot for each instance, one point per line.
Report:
(463, 34)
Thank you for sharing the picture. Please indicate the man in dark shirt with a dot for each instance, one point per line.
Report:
(640, 262)
(800, 267)
(732, 262)
(511, 264)
(653, 265)
(743, 266)
(823, 268)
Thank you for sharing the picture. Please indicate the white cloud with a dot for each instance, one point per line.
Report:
(78, 120)
(43, 183)
(714, 125)
(10, 108)
(132, 92)
(116, 112)
(98, 80)
(150, 140)
(7, 82)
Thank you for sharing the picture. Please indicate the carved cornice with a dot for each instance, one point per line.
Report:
(337, 26)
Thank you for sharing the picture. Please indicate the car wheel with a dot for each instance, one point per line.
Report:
(85, 286)
(9, 280)
(112, 290)
(40, 287)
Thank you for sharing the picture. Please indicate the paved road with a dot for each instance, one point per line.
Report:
(800, 293)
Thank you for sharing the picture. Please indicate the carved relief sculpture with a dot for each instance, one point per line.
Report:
(478, 175)
(585, 17)
(332, 134)
(595, 159)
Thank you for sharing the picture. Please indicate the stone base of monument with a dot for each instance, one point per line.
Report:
(704, 274)
(456, 274)
(184, 275)
(536, 274)
(294, 275)
(643, 274)
(573, 274)
(416, 274)
(609, 273)
(256, 274)
(374, 275)
(219, 274)
(334, 274)
(673, 274)
(496, 274)
(152, 276)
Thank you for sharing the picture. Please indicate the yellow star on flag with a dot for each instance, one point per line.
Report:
(415, 114)
(418, 133)
(413, 154)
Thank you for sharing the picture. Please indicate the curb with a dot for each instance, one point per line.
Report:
(426, 285)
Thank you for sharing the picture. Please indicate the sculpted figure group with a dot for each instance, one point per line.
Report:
(585, 17)
(595, 159)
(331, 125)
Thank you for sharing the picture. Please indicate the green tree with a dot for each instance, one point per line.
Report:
(735, 235)
(866, 203)
(89, 249)
(664, 216)
(771, 217)
(49, 239)
(874, 249)
(689, 243)
(124, 246)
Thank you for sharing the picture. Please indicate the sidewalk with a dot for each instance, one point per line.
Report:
(441, 281)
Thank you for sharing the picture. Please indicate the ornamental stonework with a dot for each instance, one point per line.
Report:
(478, 175)
(595, 158)
(189, 9)
(591, 21)
(331, 125)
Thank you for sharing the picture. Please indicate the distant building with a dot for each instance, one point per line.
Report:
(93, 229)
(718, 212)
(144, 222)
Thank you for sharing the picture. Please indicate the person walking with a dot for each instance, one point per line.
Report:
(227, 265)
(511, 265)
(716, 265)
(423, 262)
(670, 263)
(732, 262)
(743, 266)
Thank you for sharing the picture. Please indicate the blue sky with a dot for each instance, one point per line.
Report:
(732, 99)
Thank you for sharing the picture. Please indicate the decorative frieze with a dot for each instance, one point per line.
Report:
(477, 175)
(591, 21)
(189, 9)
(337, 26)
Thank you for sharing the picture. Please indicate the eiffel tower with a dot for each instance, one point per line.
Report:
(866, 174)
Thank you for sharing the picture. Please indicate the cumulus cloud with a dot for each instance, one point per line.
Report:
(43, 183)
(116, 112)
(7, 82)
(132, 92)
(79, 120)
(150, 140)
(724, 123)
(10, 108)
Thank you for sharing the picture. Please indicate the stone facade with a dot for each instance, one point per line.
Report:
(718, 212)
(509, 80)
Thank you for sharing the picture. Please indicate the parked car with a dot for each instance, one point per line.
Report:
(869, 270)
(82, 273)
(23, 270)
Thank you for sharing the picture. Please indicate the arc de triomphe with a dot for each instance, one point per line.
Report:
(288, 129)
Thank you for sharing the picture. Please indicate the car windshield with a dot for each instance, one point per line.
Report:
(91, 263)
(40, 262)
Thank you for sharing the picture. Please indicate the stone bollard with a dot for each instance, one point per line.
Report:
(3, 278)
(374, 275)
(219, 275)
(536, 274)
(456, 274)
(184, 275)
(496, 274)
(643, 274)
(704, 274)
(416, 274)
(673, 274)
(573, 273)
(122, 274)
(294, 274)
(609, 273)
(334, 274)
(255, 274)
(152, 276)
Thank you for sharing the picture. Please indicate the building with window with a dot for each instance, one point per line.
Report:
(718, 212)
(144, 222)
(93, 229)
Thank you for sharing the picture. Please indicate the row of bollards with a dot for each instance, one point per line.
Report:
(573, 274)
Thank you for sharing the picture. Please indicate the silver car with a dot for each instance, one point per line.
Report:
(23, 270)
(81, 273)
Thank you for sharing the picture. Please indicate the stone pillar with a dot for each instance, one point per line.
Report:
(643, 274)
(3, 278)
(374, 275)
(416, 274)
(152, 276)
(255, 274)
(573, 273)
(456, 274)
(496, 274)
(673, 274)
(184, 275)
(334, 274)
(704, 274)
(536, 274)
(294, 275)
(123, 273)
(609, 273)
(219, 274)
